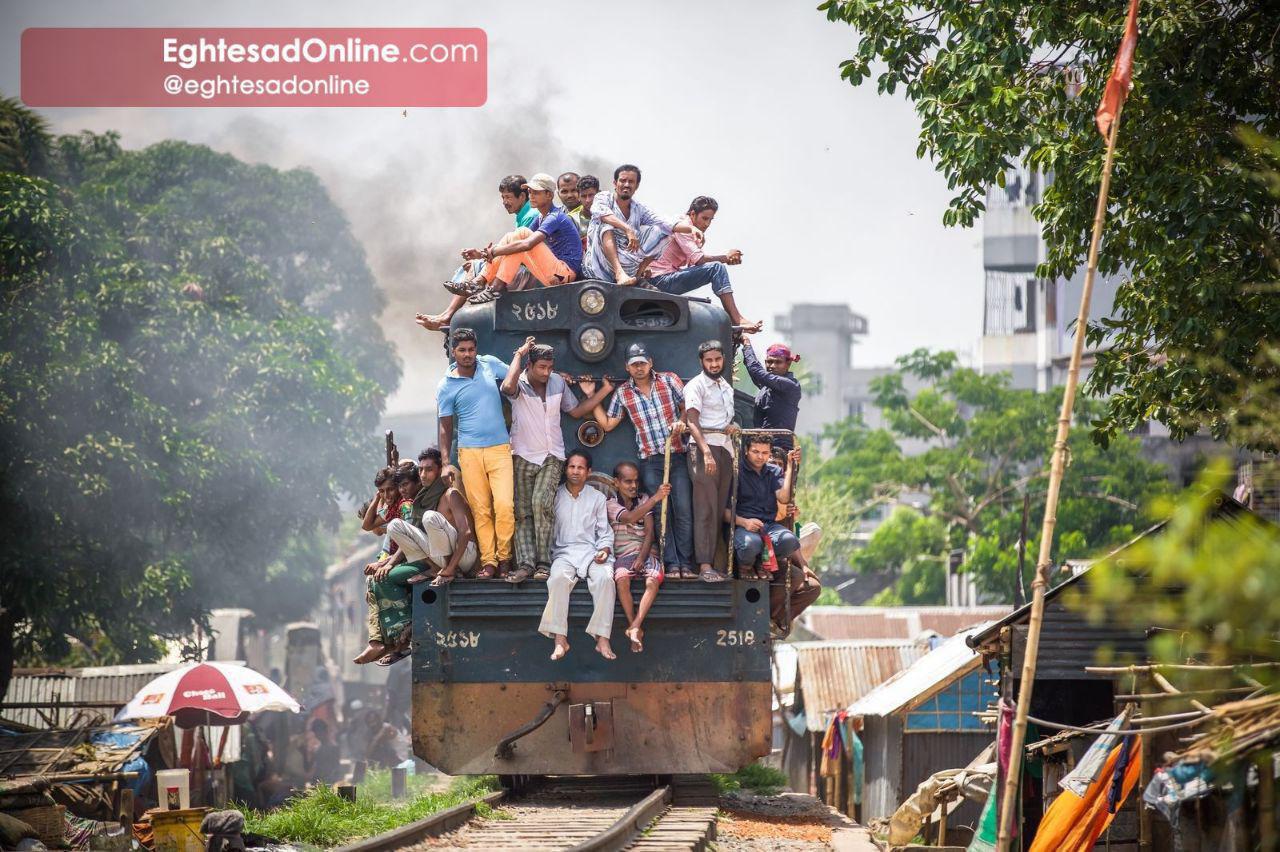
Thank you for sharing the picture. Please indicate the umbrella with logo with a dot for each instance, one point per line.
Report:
(208, 693)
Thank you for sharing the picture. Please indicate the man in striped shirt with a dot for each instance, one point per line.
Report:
(624, 235)
(654, 402)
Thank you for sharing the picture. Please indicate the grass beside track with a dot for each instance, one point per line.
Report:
(321, 818)
(763, 780)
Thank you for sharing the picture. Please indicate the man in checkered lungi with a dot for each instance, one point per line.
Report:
(538, 397)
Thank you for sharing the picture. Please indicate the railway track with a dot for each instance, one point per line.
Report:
(582, 815)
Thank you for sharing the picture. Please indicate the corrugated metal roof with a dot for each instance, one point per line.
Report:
(833, 674)
(894, 622)
(115, 684)
(922, 680)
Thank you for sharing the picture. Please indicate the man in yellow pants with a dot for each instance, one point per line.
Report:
(468, 403)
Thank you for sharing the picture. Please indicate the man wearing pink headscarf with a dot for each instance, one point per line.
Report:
(778, 402)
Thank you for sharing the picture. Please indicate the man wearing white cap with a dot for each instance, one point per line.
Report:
(552, 252)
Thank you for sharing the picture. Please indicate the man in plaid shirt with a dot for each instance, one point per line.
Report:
(654, 402)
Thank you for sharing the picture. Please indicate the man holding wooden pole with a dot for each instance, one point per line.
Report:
(1108, 121)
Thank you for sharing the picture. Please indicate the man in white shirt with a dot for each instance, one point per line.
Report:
(708, 405)
(537, 397)
(583, 549)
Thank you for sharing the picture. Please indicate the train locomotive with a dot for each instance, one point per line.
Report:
(486, 696)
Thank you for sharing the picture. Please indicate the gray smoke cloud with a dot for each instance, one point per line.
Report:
(422, 203)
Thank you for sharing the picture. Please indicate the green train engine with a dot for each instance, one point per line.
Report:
(486, 696)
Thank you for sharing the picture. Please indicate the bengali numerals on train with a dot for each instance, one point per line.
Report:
(458, 639)
(535, 311)
(734, 638)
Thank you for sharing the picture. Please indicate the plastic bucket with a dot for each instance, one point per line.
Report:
(173, 789)
(178, 831)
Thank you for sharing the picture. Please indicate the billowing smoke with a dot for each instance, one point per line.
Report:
(434, 191)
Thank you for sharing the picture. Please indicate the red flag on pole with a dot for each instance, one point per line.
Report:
(1121, 74)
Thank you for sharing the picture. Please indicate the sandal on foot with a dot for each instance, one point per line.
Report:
(485, 296)
(463, 288)
(443, 580)
(519, 575)
(542, 572)
(487, 572)
(711, 575)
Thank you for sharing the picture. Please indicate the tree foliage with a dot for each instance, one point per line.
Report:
(190, 373)
(1192, 227)
(986, 448)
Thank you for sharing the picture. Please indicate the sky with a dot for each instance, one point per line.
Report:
(818, 182)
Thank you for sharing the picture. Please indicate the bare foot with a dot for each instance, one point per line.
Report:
(372, 651)
(642, 268)
(562, 648)
(432, 322)
(636, 635)
(626, 281)
(604, 650)
(418, 578)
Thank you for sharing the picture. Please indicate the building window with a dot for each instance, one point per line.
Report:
(1009, 303)
(854, 409)
(955, 707)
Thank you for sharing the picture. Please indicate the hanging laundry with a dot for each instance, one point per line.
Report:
(1074, 823)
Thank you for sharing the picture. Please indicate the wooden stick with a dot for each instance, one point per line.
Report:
(1056, 469)
(666, 480)
(1174, 667)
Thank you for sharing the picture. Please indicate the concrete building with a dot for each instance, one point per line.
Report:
(1027, 321)
(825, 336)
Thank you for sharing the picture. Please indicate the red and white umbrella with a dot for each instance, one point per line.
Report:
(208, 693)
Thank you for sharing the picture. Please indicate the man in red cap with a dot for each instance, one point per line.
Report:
(778, 402)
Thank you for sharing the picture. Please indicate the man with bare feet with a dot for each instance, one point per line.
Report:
(631, 514)
(583, 549)
(625, 236)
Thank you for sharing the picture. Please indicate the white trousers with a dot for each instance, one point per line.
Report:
(435, 543)
(564, 576)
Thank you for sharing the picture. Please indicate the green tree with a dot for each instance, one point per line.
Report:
(987, 447)
(181, 401)
(1191, 229)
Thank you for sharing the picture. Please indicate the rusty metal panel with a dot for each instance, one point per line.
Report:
(591, 726)
(834, 674)
(658, 728)
(895, 622)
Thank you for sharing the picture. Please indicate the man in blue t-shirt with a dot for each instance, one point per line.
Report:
(469, 405)
(552, 252)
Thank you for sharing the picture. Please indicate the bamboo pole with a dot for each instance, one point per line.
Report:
(1056, 470)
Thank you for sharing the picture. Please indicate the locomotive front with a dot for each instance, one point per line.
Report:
(486, 696)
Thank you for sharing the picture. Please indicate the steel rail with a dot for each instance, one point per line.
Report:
(630, 825)
(441, 822)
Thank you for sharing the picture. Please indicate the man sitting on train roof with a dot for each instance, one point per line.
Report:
(635, 546)
(515, 200)
(468, 402)
(761, 487)
(625, 236)
(583, 549)
(567, 192)
(538, 396)
(777, 405)
(708, 409)
(655, 404)
(552, 251)
(586, 188)
(683, 267)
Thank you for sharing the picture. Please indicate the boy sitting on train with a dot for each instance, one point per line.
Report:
(583, 549)
(683, 266)
(538, 396)
(552, 251)
(634, 546)
(515, 200)
(437, 540)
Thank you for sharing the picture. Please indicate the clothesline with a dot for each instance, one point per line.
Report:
(1120, 732)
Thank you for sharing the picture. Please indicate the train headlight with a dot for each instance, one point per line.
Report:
(592, 340)
(591, 300)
